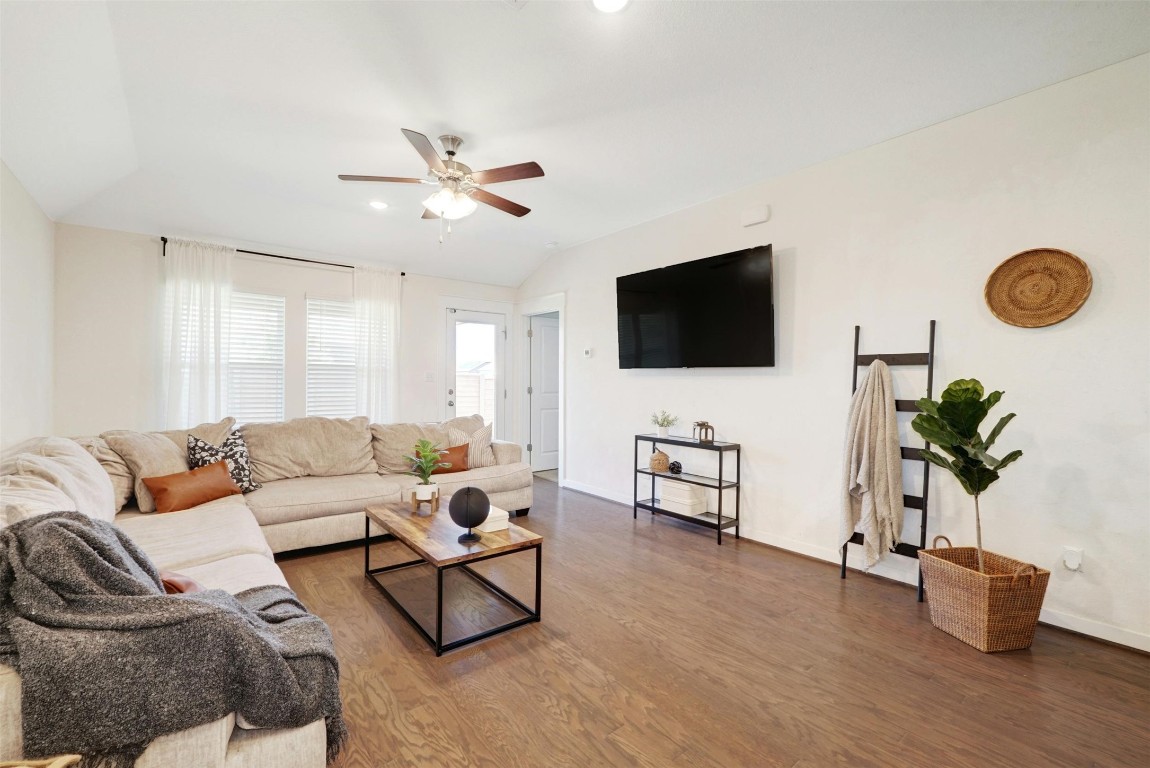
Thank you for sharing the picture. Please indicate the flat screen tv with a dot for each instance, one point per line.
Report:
(709, 313)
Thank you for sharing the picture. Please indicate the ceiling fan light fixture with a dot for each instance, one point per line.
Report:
(449, 204)
(461, 206)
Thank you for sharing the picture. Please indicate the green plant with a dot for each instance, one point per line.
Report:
(426, 461)
(952, 424)
(664, 419)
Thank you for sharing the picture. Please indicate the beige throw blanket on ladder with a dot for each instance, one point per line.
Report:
(872, 467)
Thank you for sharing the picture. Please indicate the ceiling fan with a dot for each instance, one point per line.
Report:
(459, 186)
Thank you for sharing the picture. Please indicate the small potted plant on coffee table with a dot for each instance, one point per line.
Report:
(984, 599)
(424, 462)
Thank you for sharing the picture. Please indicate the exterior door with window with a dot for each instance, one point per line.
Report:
(474, 365)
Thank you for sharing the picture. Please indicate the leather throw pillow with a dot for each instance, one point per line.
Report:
(456, 456)
(184, 490)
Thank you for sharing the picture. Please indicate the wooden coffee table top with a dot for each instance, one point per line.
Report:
(435, 536)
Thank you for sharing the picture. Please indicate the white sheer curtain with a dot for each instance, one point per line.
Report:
(377, 297)
(197, 315)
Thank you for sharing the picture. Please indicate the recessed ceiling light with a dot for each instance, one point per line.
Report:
(610, 6)
(377, 205)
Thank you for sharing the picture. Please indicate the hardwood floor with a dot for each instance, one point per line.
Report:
(659, 648)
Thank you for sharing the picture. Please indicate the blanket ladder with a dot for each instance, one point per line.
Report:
(908, 454)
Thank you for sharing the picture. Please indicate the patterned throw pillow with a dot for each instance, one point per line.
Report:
(479, 452)
(234, 451)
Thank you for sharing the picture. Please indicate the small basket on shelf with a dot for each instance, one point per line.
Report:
(660, 462)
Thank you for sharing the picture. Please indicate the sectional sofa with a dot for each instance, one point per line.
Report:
(317, 475)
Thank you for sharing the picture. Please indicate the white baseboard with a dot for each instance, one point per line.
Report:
(1098, 629)
(594, 490)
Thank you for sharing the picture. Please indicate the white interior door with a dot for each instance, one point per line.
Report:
(543, 391)
(474, 365)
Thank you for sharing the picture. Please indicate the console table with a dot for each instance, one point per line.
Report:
(716, 520)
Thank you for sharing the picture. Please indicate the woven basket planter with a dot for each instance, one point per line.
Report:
(993, 611)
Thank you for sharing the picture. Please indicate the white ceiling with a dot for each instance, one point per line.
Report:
(231, 120)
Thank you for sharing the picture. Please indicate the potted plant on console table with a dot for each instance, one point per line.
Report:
(986, 600)
(423, 464)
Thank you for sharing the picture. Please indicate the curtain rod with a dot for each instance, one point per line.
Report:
(164, 241)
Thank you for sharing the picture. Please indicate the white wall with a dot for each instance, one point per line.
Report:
(108, 292)
(26, 266)
(889, 238)
(423, 327)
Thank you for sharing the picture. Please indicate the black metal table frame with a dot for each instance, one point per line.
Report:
(436, 642)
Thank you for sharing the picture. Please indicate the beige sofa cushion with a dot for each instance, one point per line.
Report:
(24, 496)
(213, 531)
(496, 479)
(301, 498)
(391, 442)
(123, 485)
(309, 447)
(155, 454)
(67, 466)
(237, 573)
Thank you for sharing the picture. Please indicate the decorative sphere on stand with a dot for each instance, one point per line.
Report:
(469, 508)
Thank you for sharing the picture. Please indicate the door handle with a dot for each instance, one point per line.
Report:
(451, 403)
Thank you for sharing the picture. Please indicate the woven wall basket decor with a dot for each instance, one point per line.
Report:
(1039, 287)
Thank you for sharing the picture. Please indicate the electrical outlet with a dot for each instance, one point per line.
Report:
(1072, 558)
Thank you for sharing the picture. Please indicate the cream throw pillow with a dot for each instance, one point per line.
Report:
(148, 454)
(65, 465)
(309, 447)
(25, 496)
(113, 463)
(479, 453)
(154, 454)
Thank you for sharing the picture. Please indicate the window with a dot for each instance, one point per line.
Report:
(256, 358)
(331, 358)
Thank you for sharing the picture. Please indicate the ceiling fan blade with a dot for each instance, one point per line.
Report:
(502, 203)
(508, 173)
(423, 146)
(428, 215)
(396, 179)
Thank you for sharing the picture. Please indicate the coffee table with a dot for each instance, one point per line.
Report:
(434, 538)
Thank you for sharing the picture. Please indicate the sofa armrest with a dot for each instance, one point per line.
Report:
(507, 453)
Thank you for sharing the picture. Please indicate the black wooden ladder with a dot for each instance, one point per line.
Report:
(908, 454)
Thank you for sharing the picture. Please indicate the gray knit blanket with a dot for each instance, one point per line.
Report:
(108, 662)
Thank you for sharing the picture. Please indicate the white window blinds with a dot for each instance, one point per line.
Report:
(331, 358)
(256, 358)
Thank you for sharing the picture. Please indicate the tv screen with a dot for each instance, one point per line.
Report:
(709, 313)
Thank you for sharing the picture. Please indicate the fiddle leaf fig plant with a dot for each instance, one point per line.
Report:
(952, 425)
(426, 460)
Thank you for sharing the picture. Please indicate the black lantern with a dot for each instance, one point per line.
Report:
(469, 507)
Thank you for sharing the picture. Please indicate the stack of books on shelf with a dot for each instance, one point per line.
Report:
(683, 498)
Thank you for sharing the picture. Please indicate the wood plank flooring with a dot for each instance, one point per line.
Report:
(659, 648)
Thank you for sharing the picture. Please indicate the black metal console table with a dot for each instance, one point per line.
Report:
(716, 520)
